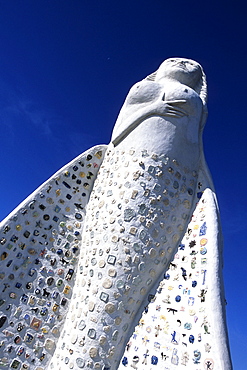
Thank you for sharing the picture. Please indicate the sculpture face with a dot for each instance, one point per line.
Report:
(186, 71)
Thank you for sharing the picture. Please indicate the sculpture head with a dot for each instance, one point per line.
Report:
(185, 71)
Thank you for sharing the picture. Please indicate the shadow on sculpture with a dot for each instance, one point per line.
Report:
(91, 249)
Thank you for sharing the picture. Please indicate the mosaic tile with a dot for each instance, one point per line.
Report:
(172, 325)
(41, 223)
(128, 235)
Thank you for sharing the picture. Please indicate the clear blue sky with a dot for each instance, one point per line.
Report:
(66, 67)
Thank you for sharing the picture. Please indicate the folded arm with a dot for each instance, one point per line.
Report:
(172, 108)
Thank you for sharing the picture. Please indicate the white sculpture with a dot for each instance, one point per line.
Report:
(123, 230)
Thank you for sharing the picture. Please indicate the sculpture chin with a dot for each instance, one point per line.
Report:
(182, 70)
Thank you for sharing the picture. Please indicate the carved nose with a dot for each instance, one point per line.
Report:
(182, 64)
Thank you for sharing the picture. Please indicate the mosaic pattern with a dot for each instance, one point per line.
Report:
(123, 252)
(131, 239)
(176, 328)
(39, 248)
(138, 212)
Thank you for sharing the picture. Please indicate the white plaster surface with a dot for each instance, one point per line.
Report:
(40, 242)
(184, 324)
(121, 234)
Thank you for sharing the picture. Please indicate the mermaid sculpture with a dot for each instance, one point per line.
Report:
(96, 245)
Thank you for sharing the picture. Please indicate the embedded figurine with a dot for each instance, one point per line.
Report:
(109, 237)
(197, 357)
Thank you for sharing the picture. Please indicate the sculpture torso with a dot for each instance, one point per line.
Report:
(172, 136)
(138, 212)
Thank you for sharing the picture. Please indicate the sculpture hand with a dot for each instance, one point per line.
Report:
(172, 108)
(169, 108)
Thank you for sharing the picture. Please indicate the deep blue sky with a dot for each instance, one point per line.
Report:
(66, 67)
